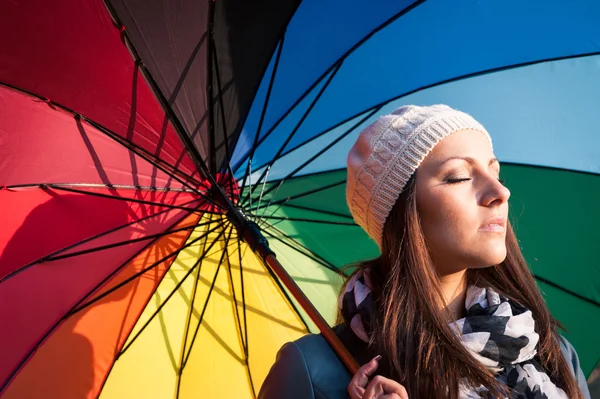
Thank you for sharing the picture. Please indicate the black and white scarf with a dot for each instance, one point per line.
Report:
(497, 332)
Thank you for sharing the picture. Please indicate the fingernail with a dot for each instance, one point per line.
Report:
(377, 358)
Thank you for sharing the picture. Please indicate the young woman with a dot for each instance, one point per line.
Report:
(450, 307)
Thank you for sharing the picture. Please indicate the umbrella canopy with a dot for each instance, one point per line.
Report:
(139, 140)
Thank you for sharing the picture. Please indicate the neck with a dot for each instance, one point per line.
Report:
(454, 289)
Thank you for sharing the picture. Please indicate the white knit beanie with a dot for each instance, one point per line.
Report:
(387, 153)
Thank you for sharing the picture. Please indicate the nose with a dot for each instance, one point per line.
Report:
(495, 192)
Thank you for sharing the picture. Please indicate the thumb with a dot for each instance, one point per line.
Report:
(369, 368)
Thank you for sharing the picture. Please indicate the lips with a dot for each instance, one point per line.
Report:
(496, 224)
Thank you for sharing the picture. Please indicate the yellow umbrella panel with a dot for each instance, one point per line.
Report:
(209, 322)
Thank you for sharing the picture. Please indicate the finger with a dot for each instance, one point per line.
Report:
(374, 389)
(384, 386)
(361, 378)
(356, 392)
(391, 386)
(369, 368)
(390, 396)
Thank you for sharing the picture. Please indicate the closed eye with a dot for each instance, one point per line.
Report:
(457, 180)
(454, 181)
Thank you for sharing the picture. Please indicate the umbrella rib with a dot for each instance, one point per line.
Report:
(310, 254)
(152, 159)
(73, 190)
(180, 81)
(342, 215)
(239, 245)
(568, 291)
(86, 240)
(102, 185)
(250, 197)
(205, 304)
(226, 225)
(178, 127)
(328, 130)
(312, 174)
(459, 78)
(72, 187)
(245, 332)
(114, 245)
(314, 191)
(142, 308)
(223, 118)
(315, 258)
(189, 320)
(450, 80)
(243, 342)
(325, 149)
(284, 292)
(212, 161)
(299, 124)
(262, 190)
(262, 116)
(308, 175)
(335, 65)
(280, 41)
(272, 224)
(142, 272)
(69, 313)
(142, 153)
(175, 289)
(544, 280)
(118, 355)
(369, 114)
(255, 310)
(260, 218)
(292, 219)
(284, 201)
(235, 301)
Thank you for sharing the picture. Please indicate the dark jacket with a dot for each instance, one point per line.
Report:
(309, 369)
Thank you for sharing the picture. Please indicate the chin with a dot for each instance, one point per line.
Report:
(490, 253)
(493, 257)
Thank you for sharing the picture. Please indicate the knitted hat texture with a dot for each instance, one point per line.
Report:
(388, 152)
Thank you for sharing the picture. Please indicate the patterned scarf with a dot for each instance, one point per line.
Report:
(497, 332)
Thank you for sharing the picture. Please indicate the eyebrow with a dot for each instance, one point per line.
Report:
(470, 160)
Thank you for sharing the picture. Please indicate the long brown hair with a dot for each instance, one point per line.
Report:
(411, 330)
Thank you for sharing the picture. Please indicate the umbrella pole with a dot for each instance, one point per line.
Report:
(315, 316)
(251, 234)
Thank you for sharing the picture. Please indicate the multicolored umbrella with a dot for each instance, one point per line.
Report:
(148, 148)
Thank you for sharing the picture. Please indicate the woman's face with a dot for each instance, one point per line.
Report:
(462, 205)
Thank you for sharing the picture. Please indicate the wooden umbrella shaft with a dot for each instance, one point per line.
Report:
(337, 345)
(251, 234)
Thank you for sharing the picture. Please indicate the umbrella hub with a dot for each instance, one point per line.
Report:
(224, 192)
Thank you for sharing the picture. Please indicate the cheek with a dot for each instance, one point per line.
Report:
(450, 223)
(447, 222)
